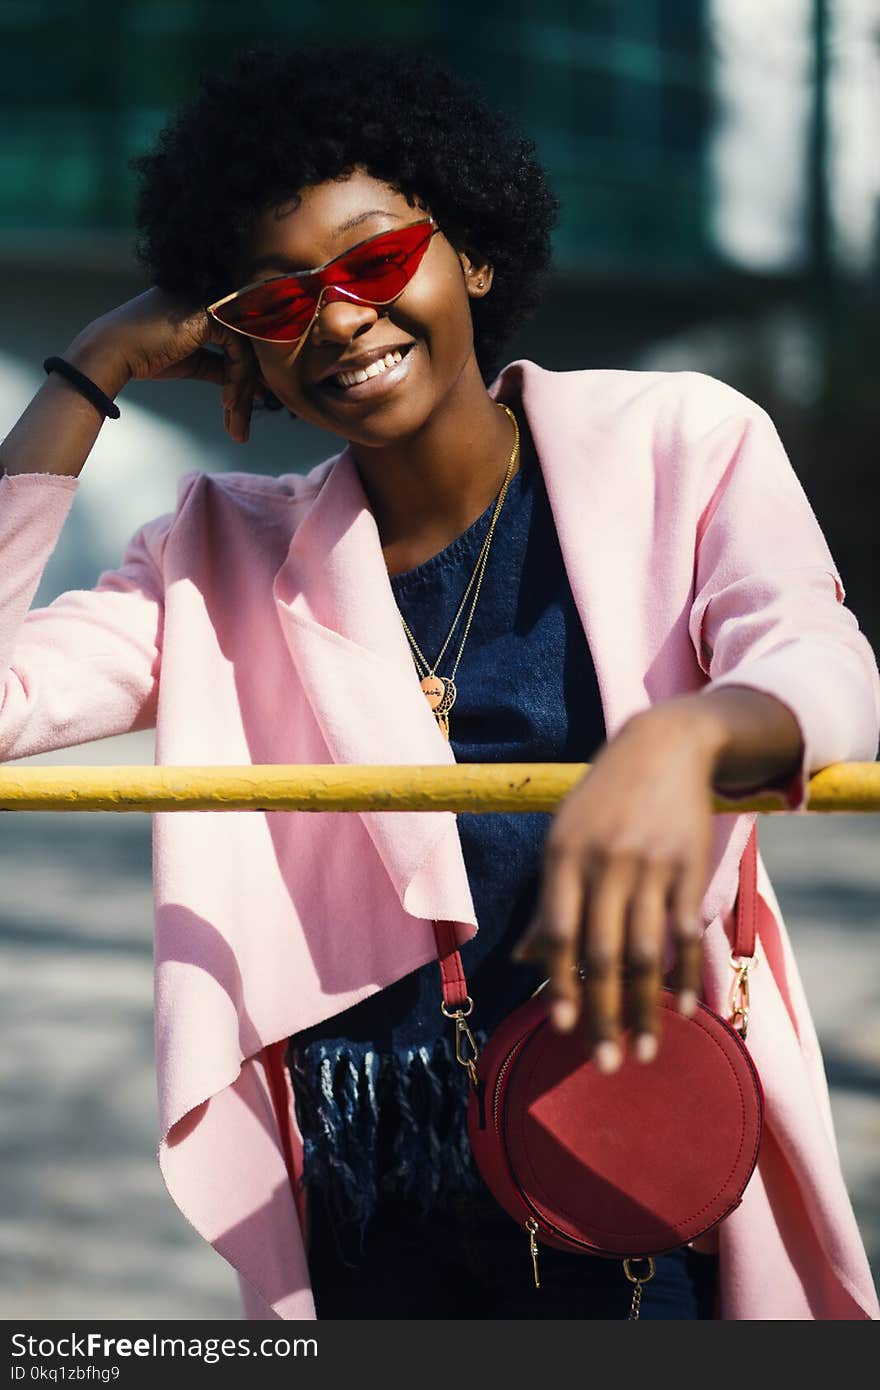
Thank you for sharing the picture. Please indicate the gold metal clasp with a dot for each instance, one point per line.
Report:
(637, 1279)
(464, 1038)
(739, 994)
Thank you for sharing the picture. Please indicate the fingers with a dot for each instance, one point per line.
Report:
(239, 387)
(623, 958)
(602, 958)
(553, 936)
(687, 939)
(238, 403)
(204, 365)
(236, 369)
(601, 927)
(644, 957)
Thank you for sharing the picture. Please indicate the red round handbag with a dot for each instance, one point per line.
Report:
(630, 1165)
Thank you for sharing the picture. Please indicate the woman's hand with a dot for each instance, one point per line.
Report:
(155, 337)
(627, 850)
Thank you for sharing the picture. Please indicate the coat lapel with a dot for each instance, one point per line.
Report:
(345, 636)
(347, 641)
(569, 450)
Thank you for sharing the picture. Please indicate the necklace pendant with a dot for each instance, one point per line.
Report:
(440, 694)
(448, 700)
(435, 690)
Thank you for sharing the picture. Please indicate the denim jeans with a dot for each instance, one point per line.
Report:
(471, 1260)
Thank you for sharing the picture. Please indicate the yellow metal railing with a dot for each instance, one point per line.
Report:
(332, 787)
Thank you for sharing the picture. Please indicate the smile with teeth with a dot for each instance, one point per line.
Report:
(382, 364)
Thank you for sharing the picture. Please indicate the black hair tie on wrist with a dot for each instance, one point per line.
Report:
(83, 384)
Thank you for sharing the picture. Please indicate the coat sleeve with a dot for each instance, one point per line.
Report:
(87, 665)
(768, 609)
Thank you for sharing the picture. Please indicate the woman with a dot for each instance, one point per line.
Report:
(608, 566)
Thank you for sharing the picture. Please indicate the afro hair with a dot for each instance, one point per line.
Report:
(277, 123)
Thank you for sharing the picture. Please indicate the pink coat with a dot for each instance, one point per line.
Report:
(256, 624)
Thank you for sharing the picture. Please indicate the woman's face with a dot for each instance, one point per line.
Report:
(430, 322)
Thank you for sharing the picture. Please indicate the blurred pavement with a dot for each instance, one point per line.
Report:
(86, 1227)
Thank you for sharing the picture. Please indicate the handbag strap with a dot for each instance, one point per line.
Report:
(745, 931)
(454, 981)
(451, 967)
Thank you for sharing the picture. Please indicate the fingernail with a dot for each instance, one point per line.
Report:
(564, 1015)
(607, 1057)
(687, 1002)
(646, 1047)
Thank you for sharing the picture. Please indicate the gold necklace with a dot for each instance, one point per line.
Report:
(440, 691)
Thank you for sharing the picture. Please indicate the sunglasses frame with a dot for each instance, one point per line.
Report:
(319, 270)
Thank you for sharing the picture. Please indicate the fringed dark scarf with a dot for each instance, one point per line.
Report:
(376, 1125)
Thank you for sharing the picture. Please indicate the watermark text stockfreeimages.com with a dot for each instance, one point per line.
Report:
(75, 1346)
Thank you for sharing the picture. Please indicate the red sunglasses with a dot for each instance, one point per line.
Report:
(375, 271)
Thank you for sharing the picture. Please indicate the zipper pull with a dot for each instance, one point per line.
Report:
(532, 1227)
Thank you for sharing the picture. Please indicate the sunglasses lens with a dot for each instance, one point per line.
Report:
(281, 309)
(380, 270)
(278, 310)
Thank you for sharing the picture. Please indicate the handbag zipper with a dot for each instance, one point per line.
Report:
(502, 1070)
(531, 1224)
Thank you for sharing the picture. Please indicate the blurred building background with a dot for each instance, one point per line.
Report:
(717, 162)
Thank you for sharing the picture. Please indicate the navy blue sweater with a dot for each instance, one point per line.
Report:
(380, 1098)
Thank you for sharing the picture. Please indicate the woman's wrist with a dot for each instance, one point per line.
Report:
(58, 429)
(744, 738)
(699, 731)
(100, 360)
